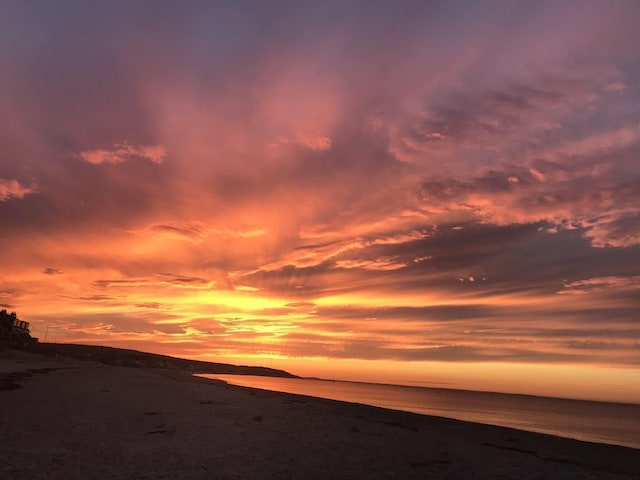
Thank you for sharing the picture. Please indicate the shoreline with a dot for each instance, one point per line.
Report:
(370, 395)
(428, 416)
(83, 420)
(490, 392)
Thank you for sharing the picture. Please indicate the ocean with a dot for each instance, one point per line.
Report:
(600, 422)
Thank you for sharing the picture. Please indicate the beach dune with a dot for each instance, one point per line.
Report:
(68, 419)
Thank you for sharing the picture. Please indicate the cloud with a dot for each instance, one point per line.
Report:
(383, 263)
(471, 127)
(121, 283)
(547, 148)
(92, 298)
(198, 232)
(318, 143)
(615, 87)
(194, 232)
(124, 152)
(183, 280)
(11, 188)
(52, 271)
(600, 202)
(153, 305)
(593, 285)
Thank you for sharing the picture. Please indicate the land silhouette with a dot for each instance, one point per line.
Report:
(133, 358)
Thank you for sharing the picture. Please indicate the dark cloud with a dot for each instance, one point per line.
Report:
(52, 271)
(189, 231)
(182, 280)
(421, 314)
(379, 349)
(478, 261)
(153, 305)
(94, 298)
(132, 282)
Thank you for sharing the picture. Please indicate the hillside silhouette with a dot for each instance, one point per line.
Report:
(134, 358)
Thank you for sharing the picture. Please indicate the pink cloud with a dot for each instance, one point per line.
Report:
(594, 144)
(13, 189)
(615, 87)
(607, 214)
(319, 143)
(124, 152)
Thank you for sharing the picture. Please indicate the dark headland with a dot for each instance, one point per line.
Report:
(133, 358)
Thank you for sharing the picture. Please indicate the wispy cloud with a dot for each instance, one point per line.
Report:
(124, 152)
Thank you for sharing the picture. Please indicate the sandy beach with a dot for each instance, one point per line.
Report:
(68, 419)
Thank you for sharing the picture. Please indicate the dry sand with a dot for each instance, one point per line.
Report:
(87, 421)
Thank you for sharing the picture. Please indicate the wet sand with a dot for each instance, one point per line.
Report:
(66, 419)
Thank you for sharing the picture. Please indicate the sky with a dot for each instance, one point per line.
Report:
(437, 193)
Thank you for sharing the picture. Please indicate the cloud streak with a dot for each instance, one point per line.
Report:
(124, 152)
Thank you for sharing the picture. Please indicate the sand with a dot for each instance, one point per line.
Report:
(71, 419)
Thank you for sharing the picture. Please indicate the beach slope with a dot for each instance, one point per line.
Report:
(69, 419)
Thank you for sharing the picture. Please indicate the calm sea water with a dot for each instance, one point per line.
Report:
(600, 422)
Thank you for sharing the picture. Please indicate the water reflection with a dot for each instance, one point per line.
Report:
(584, 420)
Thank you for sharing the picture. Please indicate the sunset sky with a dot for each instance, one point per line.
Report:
(439, 193)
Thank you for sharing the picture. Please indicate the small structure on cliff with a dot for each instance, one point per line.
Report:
(14, 333)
